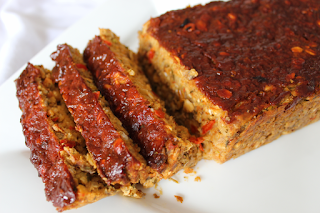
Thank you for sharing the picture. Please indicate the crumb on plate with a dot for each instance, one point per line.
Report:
(174, 180)
(189, 171)
(198, 179)
(179, 198)
(156, 196)
(158, 188)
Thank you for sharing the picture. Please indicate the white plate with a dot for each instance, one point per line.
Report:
(280, 177)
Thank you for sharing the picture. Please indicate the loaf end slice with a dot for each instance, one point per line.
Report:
(58, 151)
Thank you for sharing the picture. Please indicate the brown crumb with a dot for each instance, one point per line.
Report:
(156, 196)
(174, 180)
(189, 170)
(198, 179)
(179, 198)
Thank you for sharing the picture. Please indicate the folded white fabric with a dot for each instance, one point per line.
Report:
(26, 26)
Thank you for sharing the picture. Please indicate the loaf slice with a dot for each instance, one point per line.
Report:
(58, 151)
(238, 74)
(114, 155)
(164, 145)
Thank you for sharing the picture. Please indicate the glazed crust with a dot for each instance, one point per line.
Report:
(122, 82)
(225, 127)
(116, 158)
(38, 97)
(243, 52)
(143, 123)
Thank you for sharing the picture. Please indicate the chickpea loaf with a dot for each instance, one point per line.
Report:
(115, 157)
(58, 151)
(238, 74)
(164, 145)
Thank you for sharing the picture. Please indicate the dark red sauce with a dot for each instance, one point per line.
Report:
(240, 47)
(40, 138)
(133, 110)
(114, 161)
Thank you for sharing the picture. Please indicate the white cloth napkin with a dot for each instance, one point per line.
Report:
(26, 26)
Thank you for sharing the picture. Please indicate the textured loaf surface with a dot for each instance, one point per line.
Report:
(248, 52)
(226, 69)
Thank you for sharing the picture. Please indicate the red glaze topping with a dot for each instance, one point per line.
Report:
(133, 110)
(103, 141)
(43, 143)
(246, 51)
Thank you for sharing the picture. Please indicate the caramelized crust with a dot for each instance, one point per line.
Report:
(70, 181)
(141, 121)
(116, 159)
(44, 153)
(122, 82)
(236, 73)
(247, 55)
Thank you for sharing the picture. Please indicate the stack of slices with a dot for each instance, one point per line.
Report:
(96, 128)
(236, 74)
